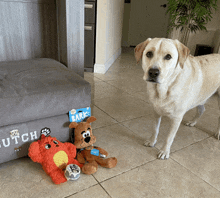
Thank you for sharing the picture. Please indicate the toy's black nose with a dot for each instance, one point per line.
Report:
(87, 139)
(153, 72)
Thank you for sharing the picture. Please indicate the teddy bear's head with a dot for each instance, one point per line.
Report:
(83, 136)
(49, 150)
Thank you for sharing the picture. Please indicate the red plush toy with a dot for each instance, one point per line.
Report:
(54, 156)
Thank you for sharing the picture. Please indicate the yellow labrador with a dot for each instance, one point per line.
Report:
(176, 82)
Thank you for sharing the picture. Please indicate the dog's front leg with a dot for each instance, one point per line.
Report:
(164, 153)
(155, 130)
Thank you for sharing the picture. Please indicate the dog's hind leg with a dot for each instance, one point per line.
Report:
(217, 134)
(200, 111)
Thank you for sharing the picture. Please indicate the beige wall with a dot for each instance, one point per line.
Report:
(108, 33)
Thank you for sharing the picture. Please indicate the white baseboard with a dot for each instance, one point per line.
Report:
(103, 68)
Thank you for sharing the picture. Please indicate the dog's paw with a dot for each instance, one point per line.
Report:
(217, 135)
(149, 143)
(163, 154)
(191, 123)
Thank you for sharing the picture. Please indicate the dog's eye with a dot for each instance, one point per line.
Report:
(84, 135)
(55, 142)
(47, 146)
(168, 57)
(149, 54)
(88, 133)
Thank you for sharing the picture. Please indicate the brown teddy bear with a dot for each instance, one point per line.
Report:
(89, 155)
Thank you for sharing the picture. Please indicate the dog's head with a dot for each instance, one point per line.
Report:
(160, 58)
(83, 136)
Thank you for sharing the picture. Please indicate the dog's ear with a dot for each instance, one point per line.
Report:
(183, 52)
(73, 125)
(91, 119)
(138, 51)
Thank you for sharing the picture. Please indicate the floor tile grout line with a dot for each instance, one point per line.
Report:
(121, 123)
(101, 186)
(189, 145)
(138, 166)
(81, 190)
(113, 117)
(206, 139)
(129, 93)
(108, 125)
(198, 127)
(158, 159)
(109, 96)
(105, 112)
(196, 143)
(118, 122)
(183, 122)
(107, 81)
(194, 173)
(123, 91)
(159, 148)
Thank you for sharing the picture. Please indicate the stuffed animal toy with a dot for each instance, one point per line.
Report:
(89, 155)
(54, 156)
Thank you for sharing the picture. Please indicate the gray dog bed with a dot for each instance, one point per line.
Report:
(34, 94)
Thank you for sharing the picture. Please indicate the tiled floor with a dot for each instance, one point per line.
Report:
(123, 123)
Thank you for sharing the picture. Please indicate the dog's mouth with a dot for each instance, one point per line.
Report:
(152, 80)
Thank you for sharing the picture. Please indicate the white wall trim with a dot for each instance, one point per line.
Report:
(103, 68)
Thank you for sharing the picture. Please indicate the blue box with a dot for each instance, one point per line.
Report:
(79, 115)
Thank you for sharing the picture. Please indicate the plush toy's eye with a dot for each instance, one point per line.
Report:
(47, 146)
(84, 135)
(55, 142)
(87, 134)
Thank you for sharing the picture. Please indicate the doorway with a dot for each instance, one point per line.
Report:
(144, 19)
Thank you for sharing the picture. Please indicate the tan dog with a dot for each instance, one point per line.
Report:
(176, 83)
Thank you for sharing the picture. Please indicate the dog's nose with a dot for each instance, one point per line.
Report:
(87, 139)
(153, 72)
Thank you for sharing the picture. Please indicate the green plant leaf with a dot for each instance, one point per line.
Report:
(192, 13)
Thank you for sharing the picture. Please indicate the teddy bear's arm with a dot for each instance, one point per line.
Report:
(71, 148)
(34, 152)
(102, 151)
(80, 158)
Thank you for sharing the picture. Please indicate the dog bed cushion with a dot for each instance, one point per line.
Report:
(39, 88)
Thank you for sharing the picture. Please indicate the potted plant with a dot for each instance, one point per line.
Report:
(190, 15)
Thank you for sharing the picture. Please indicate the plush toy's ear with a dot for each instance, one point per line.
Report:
(43, 137)
(34, 152)
(183, 52)
(73, 125)
(139, 49)
(91, 119)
